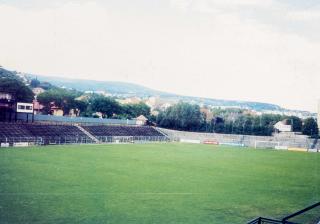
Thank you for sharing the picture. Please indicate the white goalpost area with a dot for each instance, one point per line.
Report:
(266, 144)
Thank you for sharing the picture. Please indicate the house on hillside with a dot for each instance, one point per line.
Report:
(6, 96)
(208, 114)
(37, 107)
(130, 100)
(56, 111)
(141, 120)
(7, 105)
(281, 126)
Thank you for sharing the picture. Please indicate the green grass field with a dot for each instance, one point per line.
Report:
(153, 183)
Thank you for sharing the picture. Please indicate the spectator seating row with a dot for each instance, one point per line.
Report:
(54, 130)
(13, 130)
(104, 130)
(25, 132)
(56, 134)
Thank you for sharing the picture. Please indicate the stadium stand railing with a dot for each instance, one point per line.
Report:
(103, 130)
(125, 134)
(262, 220)
(294, 218)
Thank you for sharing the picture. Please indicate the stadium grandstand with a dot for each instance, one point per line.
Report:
(24, 134)
(122, 131)
(19, 126)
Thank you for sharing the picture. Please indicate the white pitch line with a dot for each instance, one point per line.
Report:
(105, 193)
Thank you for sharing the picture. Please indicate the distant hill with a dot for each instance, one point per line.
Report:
(234, 103)
(129, 89)
(7, 74)
(112, 87)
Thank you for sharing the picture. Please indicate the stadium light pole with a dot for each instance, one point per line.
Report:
(252, 125)
(260, 121)
(244, 124)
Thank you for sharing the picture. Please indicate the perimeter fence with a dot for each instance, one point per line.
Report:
(29, 141)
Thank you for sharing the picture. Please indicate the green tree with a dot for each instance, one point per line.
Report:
(310, 127)
(34, 83)
(296, 123)
(62, 98)
(106, 105)
(11, 83)
(182, 116)
(134, 110)
(263, 124)
(218, 124)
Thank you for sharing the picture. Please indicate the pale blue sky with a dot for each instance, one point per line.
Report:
(259, 50)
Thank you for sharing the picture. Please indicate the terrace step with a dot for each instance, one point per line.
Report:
(88, 134)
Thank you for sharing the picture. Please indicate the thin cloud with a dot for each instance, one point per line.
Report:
(182, 48)
(304, 15)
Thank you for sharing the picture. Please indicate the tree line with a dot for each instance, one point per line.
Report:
(188, 117)
(87, 105)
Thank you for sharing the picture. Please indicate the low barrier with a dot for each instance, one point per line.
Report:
(298, 149)
(190, 141)
(232, 144)
(280, 142)
(6, 142)
(211, 142)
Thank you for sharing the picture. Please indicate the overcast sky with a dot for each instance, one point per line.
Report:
(256, 50)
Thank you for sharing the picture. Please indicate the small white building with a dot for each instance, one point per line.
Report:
(141, 120)
(281, 126)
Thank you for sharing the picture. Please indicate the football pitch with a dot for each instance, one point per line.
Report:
(153, 183)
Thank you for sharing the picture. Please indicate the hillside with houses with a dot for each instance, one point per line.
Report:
(125, 101)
